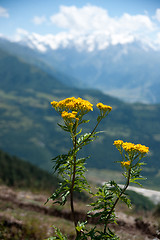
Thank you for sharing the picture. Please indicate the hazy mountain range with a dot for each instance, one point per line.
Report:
(129, 71)
(28, 124)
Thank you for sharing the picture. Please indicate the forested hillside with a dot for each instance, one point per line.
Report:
(28, 123)
(17, 173)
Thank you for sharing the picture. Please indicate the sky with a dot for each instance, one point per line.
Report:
(90, 24)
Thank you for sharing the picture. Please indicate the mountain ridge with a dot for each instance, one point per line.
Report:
(127, 71)
(33, 57)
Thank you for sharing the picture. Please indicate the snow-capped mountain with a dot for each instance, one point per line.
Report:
(127, 71)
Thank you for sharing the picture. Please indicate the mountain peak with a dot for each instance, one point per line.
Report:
(128, 71)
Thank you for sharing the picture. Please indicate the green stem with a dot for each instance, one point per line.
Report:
(74, 172)
(71, 192)
(79, 145)
(115, 203)
(73, 182)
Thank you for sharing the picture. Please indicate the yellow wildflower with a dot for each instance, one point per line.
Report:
(103, 107)
(126, 164)
(118, 143)
(67, 115)
(142, 148)
(73, 104)
(54, 104)
(127, 146)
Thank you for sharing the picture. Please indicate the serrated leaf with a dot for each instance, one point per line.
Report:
(65, 128)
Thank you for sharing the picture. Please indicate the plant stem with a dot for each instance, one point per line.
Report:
(71, 192)
(73, 181)
(79, 145)
(74, 139)
(116, 201)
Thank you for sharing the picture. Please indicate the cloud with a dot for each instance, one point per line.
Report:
(91, 27)
(83, 19)
(3, 12)
(157, 16)
(91, 18)
(95, 22)
(39, 20)
(20, 34)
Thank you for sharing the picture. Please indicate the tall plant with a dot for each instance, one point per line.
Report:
(72, 170)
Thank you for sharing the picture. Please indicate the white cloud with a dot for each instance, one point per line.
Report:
(83, 19)
(91, 18)
(91, 21)
(91, 27)
(157, 41)
(39, 20)
(3, 12)
(157, 16)
(20, 34)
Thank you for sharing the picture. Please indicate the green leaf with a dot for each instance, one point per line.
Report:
(59, 234)
(65, 128)
(60, 195)
(79, 132)
(126, 200)
(83, 121)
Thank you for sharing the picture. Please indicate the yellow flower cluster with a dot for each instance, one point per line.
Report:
(126, 164)
(142, 148)
(73, 104)
(68, 116)
(72, 109)
(118, 143)
(127, 146)
(103, 107)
